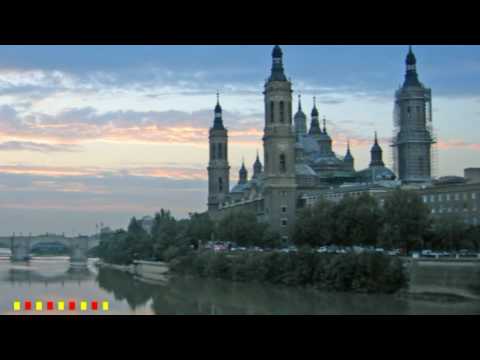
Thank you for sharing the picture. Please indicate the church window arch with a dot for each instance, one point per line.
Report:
(283, 163)
(220, 184)
(282, 112)
(272, 112)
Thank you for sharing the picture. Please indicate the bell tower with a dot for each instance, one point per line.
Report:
(279, 150)
(413, 138)
(218, 167)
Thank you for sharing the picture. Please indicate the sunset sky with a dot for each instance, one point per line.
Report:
(93, 134)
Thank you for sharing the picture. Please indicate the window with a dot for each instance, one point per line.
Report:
(284, 209)
(432, 198)
(212, 151)
(474, 196)
(284, 222)
(425, 198)
(440, 198)
(448, 197)
(283, 163)
(465, 196)
(220, 184)
(433, 211)
(220, 152)
(282, 112)
(272, 112)
(457, 196)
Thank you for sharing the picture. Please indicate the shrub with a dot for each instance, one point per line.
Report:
(372, 273)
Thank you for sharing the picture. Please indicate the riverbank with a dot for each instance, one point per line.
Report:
(147, 271)
(361, 273)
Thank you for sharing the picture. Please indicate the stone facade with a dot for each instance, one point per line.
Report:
(301, 166)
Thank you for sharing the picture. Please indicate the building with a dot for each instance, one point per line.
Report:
(301, 166)
(413, 132)
(454, 197)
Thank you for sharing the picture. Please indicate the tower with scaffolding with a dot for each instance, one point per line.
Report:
(413, 143)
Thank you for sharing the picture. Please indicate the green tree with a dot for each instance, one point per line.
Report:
(241, 228)
(315, 225)
(473, 238)
(406, 220)
(164, 232)
(357, 220)
(199, 228)
(139, 242)
(451, 233)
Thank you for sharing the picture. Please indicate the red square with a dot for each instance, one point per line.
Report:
(50, 305)
(71, 305)
(28, 305)
(94, 305)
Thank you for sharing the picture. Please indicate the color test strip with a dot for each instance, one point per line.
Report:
(39, 306)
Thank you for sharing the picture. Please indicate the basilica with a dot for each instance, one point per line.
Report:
(300, 162)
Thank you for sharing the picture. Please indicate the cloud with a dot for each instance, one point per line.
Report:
(457, 144)
(37, 147)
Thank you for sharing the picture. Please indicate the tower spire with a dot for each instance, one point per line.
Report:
(411, 76)
(299, 102)
(218, 122)
(376, 154)
(277, 66)
(324, 125)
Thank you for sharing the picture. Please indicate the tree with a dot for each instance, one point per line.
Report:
(241, 228)
(164, 232)
(450, 233)
(406, 220)
(139, 241)
(315, 226)
(199, 228)
(357, 220)
(473, 238)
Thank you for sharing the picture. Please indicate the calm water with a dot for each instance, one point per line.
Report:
(51, 279)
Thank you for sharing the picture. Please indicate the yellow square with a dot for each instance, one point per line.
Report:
(105, 305)
(38, 306)
(83, 305)
(61, 305)
(17, 306)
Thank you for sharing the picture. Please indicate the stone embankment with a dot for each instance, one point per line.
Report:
(148, 271)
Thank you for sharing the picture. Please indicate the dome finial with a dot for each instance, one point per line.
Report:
(376, 137)
(218, 97)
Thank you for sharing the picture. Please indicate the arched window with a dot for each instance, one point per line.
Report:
(220, 184)
(272, 112)
(220, 152)
(282, 112)
(283, 163)
(212, 151)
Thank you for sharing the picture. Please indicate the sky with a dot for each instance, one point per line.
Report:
(92, 134)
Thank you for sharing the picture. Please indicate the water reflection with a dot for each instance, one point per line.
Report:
(26, 275)
(55, 280)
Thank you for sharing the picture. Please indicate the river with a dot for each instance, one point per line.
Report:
(51, 279)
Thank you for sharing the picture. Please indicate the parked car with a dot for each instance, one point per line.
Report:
(322, 250)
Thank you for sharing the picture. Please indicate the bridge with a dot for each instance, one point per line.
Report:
(21, 246)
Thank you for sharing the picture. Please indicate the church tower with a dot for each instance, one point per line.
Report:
(279, 150)
(218, 168)
(348, 159)
(300, 120)
(376, 154)
(413, 138)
